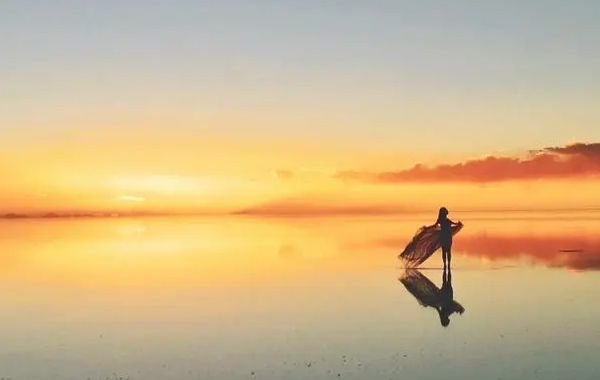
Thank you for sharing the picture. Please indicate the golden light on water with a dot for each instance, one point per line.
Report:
(225, 251)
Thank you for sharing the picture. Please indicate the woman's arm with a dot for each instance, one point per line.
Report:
(433, 225)
(455, 223)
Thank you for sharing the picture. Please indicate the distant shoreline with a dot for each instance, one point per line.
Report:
(245, 213)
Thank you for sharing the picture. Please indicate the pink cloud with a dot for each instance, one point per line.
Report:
(576, 160)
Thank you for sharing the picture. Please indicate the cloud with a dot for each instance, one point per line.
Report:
(590, 150)
(284, 174)
(576, 160)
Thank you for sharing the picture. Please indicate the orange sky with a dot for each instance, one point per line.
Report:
(111, 170)
(297, 107)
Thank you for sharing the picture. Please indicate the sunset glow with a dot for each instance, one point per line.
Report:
(299, 190)
(193, 174)
(169, 106)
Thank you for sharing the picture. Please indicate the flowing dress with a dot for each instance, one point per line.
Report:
(425, 242)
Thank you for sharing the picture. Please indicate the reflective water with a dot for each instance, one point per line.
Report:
(314, 298)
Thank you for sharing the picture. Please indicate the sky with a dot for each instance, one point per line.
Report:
(295, 107)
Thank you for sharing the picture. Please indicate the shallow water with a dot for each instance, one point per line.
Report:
(313, 298)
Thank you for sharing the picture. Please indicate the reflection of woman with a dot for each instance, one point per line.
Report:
(445, 233)
(447, 305)
(429, 295)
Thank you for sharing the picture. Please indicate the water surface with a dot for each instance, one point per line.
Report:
(314, 298)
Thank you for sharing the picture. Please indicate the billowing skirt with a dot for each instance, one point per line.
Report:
(425, 242)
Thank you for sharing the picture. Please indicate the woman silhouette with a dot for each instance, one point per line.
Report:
(445, 234)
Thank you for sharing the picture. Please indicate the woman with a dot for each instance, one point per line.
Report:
(445, 234)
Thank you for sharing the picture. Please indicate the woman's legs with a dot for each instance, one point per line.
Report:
(444, 255)
(447, 253)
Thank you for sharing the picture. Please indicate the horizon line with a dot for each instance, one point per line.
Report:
(273, 214)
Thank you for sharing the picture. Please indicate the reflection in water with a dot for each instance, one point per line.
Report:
(226, 298)
(574, 251)
(429, 295)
